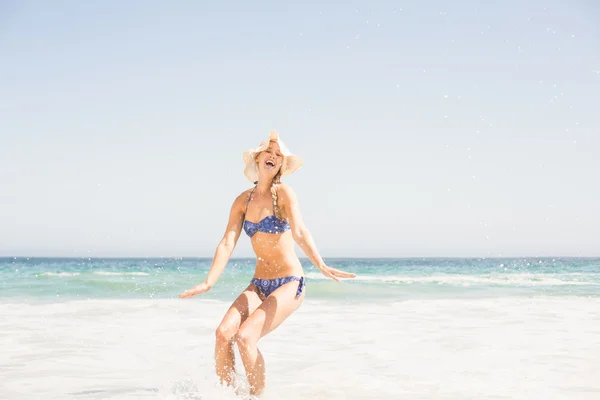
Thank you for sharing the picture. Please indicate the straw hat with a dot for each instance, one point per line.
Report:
(291, 162)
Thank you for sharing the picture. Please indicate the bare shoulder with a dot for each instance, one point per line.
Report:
(285, 193)
(244, 195)
(241, 200)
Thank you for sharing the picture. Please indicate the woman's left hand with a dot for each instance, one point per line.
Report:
(335, 274)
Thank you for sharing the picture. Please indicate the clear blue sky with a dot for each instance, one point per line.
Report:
(428, 128)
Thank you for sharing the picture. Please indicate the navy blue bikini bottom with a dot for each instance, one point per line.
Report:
(268, 286)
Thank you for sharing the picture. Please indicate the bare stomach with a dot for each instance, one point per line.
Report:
(275, 256)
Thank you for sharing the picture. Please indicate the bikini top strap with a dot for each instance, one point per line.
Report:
(249, 197)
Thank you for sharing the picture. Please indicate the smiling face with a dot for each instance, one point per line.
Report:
(270, 160)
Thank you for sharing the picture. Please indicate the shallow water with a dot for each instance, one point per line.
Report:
(500, 348)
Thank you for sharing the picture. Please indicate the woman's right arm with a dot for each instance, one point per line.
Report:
(224, 249)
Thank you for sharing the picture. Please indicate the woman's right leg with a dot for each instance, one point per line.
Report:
(240, 309)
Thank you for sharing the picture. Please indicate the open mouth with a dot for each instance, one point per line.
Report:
(270, 163)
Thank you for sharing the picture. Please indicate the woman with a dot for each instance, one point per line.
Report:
(277, 288)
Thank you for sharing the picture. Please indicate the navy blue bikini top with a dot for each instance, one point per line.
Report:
(269, 224)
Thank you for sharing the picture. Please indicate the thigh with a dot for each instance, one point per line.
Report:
(245, 304)
(274, 310)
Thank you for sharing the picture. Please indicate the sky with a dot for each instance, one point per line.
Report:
(427, 129)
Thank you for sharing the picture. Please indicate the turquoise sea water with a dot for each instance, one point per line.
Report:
(56, 279)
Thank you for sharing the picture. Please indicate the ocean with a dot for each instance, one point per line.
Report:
(420, 328)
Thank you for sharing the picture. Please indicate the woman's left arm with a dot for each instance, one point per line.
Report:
(289, 202)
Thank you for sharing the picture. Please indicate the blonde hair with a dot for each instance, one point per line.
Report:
(276, 181)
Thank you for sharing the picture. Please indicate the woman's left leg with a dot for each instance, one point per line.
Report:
(269, 315)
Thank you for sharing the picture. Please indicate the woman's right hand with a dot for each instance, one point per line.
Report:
(335, 274)
(198, 289)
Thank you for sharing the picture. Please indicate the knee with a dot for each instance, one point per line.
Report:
(246, 337)
(225, 333)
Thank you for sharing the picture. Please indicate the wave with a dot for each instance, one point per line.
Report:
(101, 273)
(110, 273)
(468, 280)
(60, 274)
